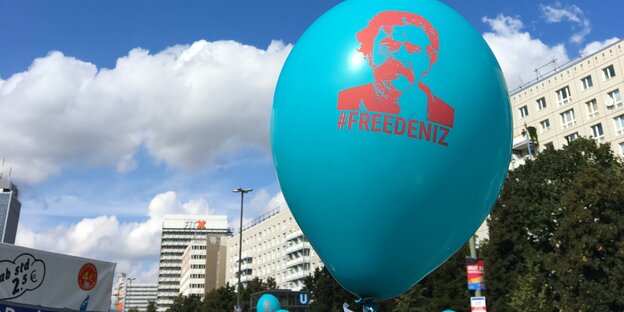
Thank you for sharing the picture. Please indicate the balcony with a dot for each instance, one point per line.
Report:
(521, 145)
(246, 257)
(297, 261)
(246, 278)
(294, 235)
(299, 275)
(297, 247)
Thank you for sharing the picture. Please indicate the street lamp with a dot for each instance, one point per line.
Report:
(240, 245)
(128, 292)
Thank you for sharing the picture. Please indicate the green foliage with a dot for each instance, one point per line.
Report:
(221, 299)
(151, 306)
(557, 230)
(254, 286)
(530, 293)
(191, 303)
(133, 310)
(533, 134)
(326, 294)
(445, 288)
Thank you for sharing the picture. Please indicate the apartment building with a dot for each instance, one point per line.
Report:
(582, 98)
(273, 246)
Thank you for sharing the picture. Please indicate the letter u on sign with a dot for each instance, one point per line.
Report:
(303, 298)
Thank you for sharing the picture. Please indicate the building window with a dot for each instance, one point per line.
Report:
(541, 103)
(597, 132)
(567, 119)
(587, 82)
(545, 125)
(608, 72)
(614, 98)
(619, 124)
(592, 108)
(563, 95)
(549, 145)
(622, 148)
(524, 111)
(571, 137)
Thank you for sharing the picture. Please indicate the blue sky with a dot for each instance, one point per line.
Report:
(117, 112)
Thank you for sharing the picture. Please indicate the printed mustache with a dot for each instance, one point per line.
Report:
(391, 69)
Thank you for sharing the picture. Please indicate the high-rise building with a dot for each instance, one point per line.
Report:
(10, 208)
(273, 246)
(580, 98)
(138, 295)
(119, 294)
(177, 233)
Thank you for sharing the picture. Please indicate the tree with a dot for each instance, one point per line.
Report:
(254, 286)
(151, 306)
(190, 303)
(133, 310)
(221, 299)
(326, 294)
(559, 222)
(530, 292)
(445, 288)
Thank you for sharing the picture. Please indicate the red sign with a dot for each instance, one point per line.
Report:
(475, 272)
(87, 277)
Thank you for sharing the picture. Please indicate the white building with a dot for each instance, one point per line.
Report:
(138, 295)
(203, 265)
(581, 98)
(273, 246)
(127, 294)
(193, 276)
(178, 231)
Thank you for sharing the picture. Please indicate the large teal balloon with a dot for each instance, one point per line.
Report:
(391, 137)
(268, 303)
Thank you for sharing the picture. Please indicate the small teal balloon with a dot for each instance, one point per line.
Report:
(391, 138)
(268, 303)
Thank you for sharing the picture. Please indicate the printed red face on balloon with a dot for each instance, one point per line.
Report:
(400, 48)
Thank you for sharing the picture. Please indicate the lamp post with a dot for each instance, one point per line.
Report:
(128, 292)
(242, 191)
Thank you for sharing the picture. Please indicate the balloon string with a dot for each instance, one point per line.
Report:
(368, 304)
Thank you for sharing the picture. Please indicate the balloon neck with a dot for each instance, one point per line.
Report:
(368, 304)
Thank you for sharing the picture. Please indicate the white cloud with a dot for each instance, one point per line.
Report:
(188, 105)
(517, 51)
(596, 46)
(104, 237)
(557, 13)
(134, 246)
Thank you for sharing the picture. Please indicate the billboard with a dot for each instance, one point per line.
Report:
(36, 280)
